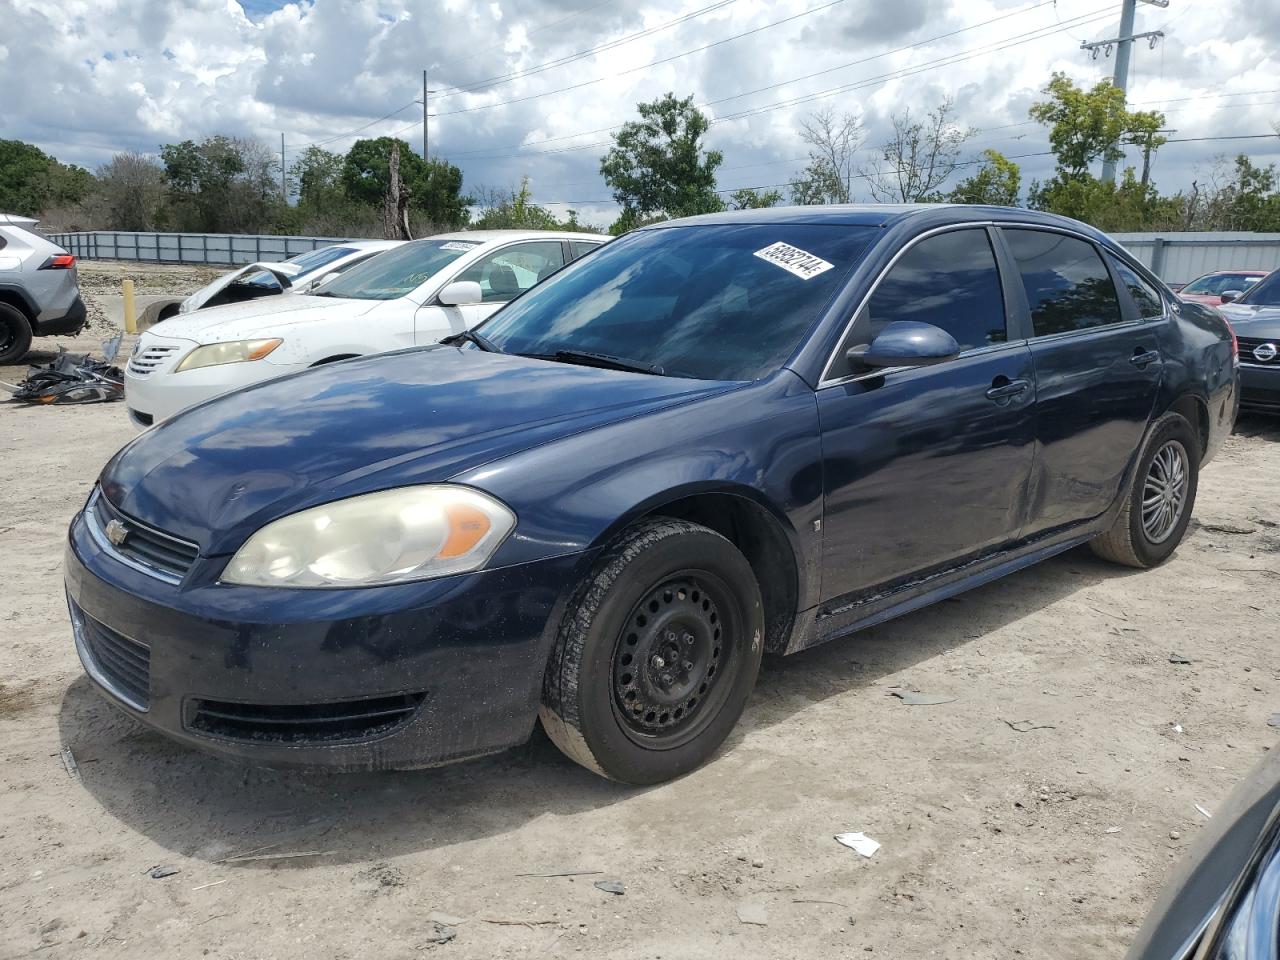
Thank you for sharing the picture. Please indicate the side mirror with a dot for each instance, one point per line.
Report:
(1230, 295)
(906, 344)
(460, 293)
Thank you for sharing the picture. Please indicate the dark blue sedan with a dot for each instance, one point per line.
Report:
(709, 439)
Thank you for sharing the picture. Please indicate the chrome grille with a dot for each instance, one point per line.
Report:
(1249, 344)
(146, 361)
(151, 550)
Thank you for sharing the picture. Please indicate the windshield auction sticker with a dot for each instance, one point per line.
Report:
(794, 260)
(458, 245)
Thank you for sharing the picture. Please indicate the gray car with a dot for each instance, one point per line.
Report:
(1255, 318)
(39, 292)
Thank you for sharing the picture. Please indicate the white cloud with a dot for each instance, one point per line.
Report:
(96, 77)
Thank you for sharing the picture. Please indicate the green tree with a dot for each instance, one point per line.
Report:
(657, 166)
(317, 176)
(435, 185)
(818, 183)
(514, 210)
(130, 192)
(997, 182)
(749, 198)
(31, 181)
(1086, 126)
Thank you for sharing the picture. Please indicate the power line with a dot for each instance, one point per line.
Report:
(521, 147)
(343, 136)
(949, 60)
(646, 66)
(582, 54)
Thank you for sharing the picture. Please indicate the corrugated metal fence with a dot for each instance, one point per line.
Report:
(1181, 257)
(233, 250)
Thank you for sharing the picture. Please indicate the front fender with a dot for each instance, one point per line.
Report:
(760, 442)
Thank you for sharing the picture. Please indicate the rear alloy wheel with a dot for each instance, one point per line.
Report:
(15, 334)
(1158, 503)
(657, 655)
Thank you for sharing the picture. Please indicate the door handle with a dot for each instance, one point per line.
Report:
(1002, 388)
(1142, 357)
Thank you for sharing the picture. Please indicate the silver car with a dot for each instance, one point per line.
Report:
(39, 292)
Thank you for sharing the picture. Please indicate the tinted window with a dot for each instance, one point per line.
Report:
(506, 274)
(1068, 288)
(398, 271)
(723, 302)
(950, 281)
(1265, 292)
(578, 247)
(1144, 295)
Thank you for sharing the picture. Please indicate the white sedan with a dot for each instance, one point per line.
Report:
(417, 293)
(299, 274)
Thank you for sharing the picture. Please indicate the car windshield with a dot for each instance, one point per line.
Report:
(723, 302)
(1214, 284)
(394, 273)
(307, 264)
(1264, 293)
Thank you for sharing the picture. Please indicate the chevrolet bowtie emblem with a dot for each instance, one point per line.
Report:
(116, 532)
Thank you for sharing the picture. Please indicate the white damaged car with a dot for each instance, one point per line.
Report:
(415, 294)
(300, 274)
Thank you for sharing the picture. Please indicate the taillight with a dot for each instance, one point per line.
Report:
(60, 261)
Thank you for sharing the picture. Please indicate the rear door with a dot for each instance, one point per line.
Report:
(1097, 367)
(925, 467)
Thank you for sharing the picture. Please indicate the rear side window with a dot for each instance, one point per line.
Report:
(949, 280)
(1144, 295)
(1068, 287)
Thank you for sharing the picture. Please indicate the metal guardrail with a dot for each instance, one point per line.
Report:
(226, 249)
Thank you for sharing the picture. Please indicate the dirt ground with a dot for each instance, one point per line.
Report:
(1048, 840)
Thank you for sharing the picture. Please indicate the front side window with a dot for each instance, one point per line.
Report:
(507, 273)
(1067, 285)
(1144, 295)
(949, 280)
(397, 271)
(722, 302)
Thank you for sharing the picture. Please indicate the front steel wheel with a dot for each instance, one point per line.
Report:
(657, 654)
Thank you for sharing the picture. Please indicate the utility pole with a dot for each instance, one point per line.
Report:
(1147, 146)
(284, 190)
(1123, 45)
(424, 115)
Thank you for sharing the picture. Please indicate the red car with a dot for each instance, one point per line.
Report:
(1209, 288)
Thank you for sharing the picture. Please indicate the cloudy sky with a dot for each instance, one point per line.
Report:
(534, 86)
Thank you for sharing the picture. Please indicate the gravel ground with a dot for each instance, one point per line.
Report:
(1036, 815)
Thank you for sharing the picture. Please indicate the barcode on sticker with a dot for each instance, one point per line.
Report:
(794, 260)
(458, 245)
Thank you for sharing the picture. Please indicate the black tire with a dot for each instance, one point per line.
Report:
(15, 334)
(1129, 541)
(616, 698)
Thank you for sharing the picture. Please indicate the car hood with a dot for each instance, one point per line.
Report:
(238, 321)
(219, 471)
(283, 272)
(1249, 320)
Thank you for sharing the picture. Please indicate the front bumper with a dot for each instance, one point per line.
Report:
(69, 324)
(453, 666)
(160, 393)
(1260, 387)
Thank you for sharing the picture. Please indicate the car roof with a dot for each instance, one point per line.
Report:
(15, 220)
(1234, 273)
(486, 236)
(369, 244)
(884, 215)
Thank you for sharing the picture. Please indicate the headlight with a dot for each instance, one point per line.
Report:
(237, 351)
(413, 533)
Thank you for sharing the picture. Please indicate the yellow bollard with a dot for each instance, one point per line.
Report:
(130, 313)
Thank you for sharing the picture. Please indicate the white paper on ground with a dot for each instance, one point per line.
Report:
(859, 842)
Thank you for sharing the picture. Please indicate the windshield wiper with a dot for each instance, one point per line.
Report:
(488, 346)
(588, 359)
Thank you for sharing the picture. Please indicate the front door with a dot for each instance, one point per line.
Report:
(1098, 369)
(926, 467)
